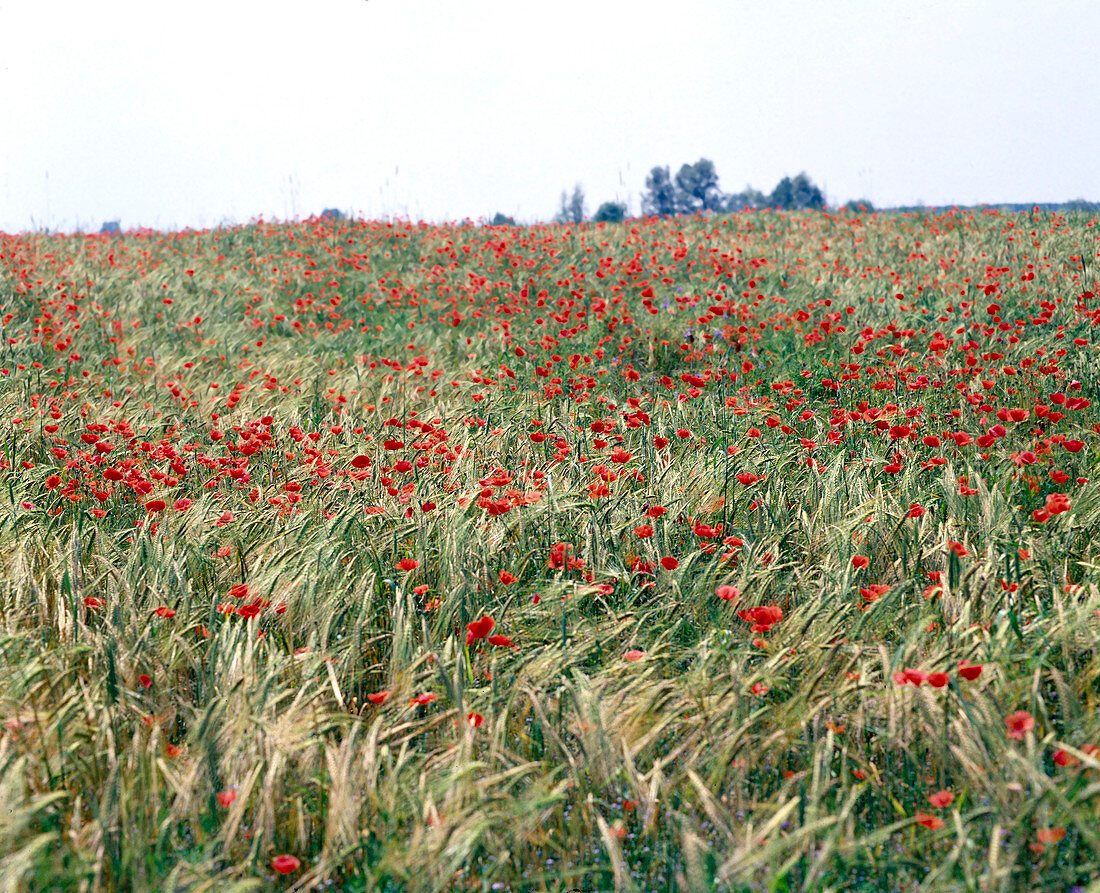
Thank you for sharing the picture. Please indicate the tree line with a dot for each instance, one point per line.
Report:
(694, 189)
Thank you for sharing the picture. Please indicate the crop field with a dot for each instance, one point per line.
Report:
(729, 553)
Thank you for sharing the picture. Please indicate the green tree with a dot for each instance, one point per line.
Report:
(697, 187)
(659, 199)
(572, 208)
(610, 212)
(796, 194)
(502, 220)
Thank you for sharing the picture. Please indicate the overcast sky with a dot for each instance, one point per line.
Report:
(197, 113)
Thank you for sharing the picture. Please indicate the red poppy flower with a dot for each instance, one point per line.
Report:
(408, 564)
(286, 864)
(940, 799)
(860, 561)
(167, 613)
(500, 641)
(931, 822)
(1056, 503)
(669, 563)
(633, 654)
(917, 677)
(378, 697)
(479, 629)
(969, 671)
(763, 617)
(643, 531)
(475, 719)
(728, 593)
(422, 699)
(225, 798)
(1051, 835)
(1018, 724)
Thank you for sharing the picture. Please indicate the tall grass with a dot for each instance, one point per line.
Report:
(280, 665)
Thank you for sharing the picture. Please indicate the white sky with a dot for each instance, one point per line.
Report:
(195, 113)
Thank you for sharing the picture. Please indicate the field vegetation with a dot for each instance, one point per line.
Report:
(751, 552)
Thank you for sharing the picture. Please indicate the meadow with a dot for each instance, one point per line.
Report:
(753, 552)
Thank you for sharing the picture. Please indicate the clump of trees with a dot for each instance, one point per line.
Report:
(695, 189)
(796, 194)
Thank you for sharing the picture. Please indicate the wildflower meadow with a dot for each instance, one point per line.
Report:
(742, 552)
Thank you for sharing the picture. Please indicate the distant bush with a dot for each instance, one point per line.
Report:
(610, 212)
(859, 206)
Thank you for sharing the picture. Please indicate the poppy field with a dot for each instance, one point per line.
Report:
(751, 552)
